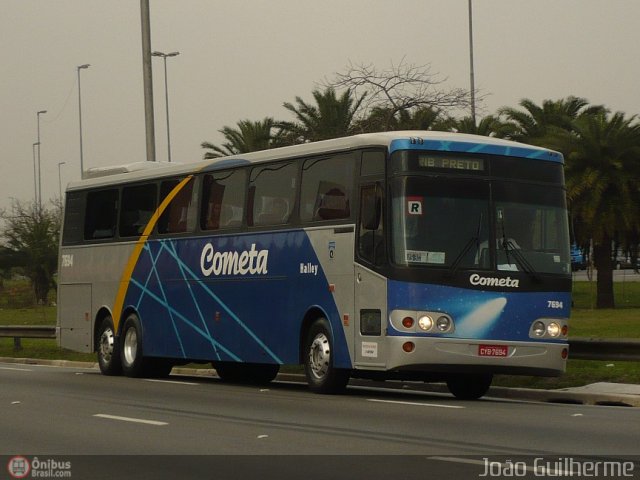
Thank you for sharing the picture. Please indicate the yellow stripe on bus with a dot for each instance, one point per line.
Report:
(133, 259)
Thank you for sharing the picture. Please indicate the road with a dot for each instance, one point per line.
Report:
(623, 275)
(69, 412)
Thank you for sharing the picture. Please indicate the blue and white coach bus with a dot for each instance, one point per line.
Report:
(404, 255)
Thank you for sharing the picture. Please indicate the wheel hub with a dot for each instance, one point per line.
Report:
(130, 346)
(106, 345)
(320, 356)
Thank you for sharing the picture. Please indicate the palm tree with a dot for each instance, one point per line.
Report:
(389, 119)
(331, 117)
(538, 121)
(247, 137)
(489, 126)
(603, 185)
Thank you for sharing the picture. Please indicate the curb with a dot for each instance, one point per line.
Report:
(563, 396)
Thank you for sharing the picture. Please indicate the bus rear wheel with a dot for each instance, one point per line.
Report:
(321, 374)
(131, 347)
(107, 348)
(469, 386)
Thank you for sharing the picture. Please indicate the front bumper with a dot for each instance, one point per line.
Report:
(438, 354)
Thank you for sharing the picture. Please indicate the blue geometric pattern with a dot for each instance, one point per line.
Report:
(242, 316)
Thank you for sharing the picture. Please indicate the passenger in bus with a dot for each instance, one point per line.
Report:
(276, 213)
(333, 205)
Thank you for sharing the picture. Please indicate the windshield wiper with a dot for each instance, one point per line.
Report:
(509, 247)
(475, 239)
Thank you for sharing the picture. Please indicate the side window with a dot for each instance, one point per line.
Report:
(138, 204)
(100, 215)
(326, 190)
(175, 218)
(371, 244)
(73, 231)
(272, 193)
(372, 163)
(222, 200)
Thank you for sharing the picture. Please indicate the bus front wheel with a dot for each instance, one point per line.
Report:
(469, 386)
(321, 374)
(108, 349)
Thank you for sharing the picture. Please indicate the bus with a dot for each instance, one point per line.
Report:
(411, 256)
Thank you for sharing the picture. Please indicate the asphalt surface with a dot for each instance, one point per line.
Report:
(191, 425)
(601, 393)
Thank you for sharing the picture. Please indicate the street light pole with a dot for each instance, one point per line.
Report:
(60, 182)
(80, 67)
(35, 173)
(166, 94)
(39, 170)
(473, 88)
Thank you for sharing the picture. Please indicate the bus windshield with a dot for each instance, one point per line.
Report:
(456, 224)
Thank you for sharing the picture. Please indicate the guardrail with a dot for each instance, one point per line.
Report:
(627, 349)
(19, 332)
(581, 348)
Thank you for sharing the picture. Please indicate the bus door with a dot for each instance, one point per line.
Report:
(370, 289)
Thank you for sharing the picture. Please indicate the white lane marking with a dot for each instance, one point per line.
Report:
(129, 419)
(458, 460)
(419, 404)
(17, 369)
(177, 382)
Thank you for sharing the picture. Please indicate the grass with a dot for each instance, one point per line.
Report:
(28, 316)
(621, 322)
(46, 349)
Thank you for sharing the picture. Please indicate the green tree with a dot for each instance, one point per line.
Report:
(535, 122)
(602, 153)
(390, 119)
(332, 116)
(489, 126)
(31, 239)
(248, 136)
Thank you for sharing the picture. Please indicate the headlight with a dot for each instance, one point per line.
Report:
(538, 328)
(425, 322)
(553, 329)
(443, 323)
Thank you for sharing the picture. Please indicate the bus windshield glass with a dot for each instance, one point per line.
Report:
(455, 223)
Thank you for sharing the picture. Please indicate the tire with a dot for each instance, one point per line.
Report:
(108, 349)
(251, 373)
(469, 386)
(322, 376)
(131, 355)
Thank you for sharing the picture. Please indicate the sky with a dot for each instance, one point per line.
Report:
(242, 59)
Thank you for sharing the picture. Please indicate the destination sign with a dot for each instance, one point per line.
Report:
(475, 164)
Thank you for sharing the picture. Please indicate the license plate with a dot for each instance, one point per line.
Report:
(493, 350)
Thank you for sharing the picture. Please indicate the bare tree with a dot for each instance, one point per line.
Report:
(401, 88)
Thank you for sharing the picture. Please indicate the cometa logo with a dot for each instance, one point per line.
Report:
(508, 282)
(250, 261)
